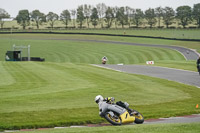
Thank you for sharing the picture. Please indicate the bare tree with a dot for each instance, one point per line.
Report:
(101, 9)
(129, 13)
(115, 10)
(87, 10)
(159, 13)
(73, 13)
(109, 17)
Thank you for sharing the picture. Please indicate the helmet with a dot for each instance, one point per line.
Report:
(98, 98)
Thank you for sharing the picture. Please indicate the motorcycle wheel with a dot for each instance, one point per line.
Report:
(113, 120)
(139, 119)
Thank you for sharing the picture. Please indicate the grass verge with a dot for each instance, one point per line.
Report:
(156, 128)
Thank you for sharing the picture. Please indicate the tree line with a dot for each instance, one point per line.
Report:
(106, 16)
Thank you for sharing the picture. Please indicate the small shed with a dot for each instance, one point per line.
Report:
(13, 56)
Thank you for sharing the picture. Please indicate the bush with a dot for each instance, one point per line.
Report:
(192, 27)
(172, 27)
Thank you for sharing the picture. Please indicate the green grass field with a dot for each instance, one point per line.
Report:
(158, 128)
(61, 90)
(167, 33)
(61, 50)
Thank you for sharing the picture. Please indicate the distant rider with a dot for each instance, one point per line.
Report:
(104, 60)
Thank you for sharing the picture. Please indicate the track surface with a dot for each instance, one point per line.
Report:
(180, 119)
(189, 54)
(182, 76)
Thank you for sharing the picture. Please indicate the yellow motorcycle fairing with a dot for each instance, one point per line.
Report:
(126, 118)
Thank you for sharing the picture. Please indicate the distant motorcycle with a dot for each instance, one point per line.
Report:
(118, 114)
(104, 61)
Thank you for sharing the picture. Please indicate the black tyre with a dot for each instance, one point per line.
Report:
(115, 120)
(104, 62)
(139, 119)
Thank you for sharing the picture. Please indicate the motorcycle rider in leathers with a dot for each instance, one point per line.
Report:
(103, 103)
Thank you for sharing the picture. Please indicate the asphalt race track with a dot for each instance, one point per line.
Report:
(181, 76)
(180, 119)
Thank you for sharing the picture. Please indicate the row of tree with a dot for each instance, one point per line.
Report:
(110, 15)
